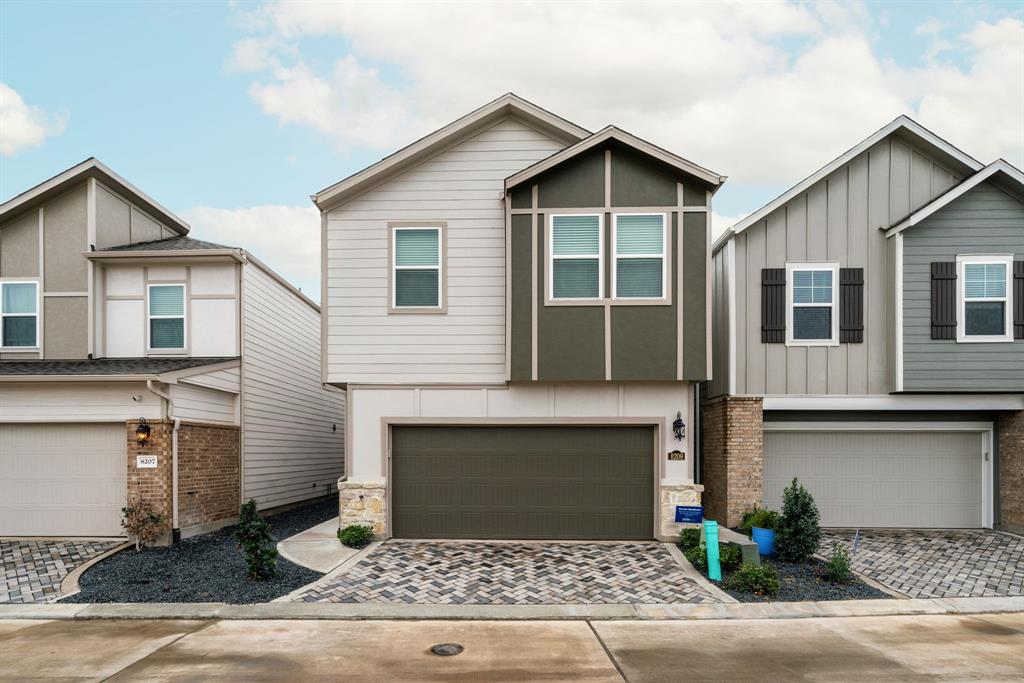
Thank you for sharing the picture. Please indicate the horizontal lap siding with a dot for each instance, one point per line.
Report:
(199, 404)
(461, 186)
(984, 220)
(290, 450)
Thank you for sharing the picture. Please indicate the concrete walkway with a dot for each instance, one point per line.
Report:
(316, 548)
(923, 648)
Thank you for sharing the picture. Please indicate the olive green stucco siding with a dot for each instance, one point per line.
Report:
(639, 181)
(522, 312)
(578, 182)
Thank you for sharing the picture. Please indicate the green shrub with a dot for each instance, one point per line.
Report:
(760, 518)
(798, 533)
(730, 556)
(356, 535)
(757, 579)
(838, 567)
(698, 557)
(253, 536)
(689, 537)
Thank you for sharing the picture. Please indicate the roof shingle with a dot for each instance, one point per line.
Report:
(104, 366)
(169, 244)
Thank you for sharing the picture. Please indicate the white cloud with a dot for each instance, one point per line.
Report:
(23, 126)
(286, 238)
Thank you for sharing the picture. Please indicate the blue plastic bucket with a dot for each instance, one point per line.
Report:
(765, 540)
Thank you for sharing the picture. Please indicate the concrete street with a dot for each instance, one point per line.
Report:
(979, 647)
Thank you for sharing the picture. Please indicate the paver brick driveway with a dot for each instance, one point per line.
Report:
(931, 563)
(512, 573)
(33, 570)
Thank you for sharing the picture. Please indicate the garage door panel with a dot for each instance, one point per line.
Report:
(880, 479)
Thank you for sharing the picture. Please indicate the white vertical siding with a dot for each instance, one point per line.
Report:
(463, 187)
(290, 451)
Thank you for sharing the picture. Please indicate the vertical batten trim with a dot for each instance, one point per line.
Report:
(535, 226)
(188, 311)
(730, 283)
(899, 311)
(677, 219)
(40, 313)
(90, 272)
(607, 341)
(323, 297)
(508, 287)
(707, 287)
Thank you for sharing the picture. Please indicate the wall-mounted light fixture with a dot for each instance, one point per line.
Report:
(679, 427)
(142, 432)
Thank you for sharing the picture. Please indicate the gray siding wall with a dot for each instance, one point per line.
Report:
(837, 219)
(290, 449)
(985, 220)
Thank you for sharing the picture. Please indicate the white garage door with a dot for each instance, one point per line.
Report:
(62, 479)
(880, 479)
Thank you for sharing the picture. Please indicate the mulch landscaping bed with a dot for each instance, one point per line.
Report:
(798, 582)
(207, 568)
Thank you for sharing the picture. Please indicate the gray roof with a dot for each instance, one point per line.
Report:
(104, 366)
(169, 244)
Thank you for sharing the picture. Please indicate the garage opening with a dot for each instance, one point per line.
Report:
(523, 482)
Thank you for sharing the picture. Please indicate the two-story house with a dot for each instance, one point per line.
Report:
(869, 339)
(110, 316)
(518, 309)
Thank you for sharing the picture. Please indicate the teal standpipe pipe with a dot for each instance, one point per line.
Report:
(711, 543)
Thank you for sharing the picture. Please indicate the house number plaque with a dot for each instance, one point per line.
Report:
(145, 461)
(676, 455)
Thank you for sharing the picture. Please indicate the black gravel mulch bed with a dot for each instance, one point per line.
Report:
(207, 568)
(803, 581)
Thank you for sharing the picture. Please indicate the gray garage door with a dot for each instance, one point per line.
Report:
(880, 479)
(523, 482)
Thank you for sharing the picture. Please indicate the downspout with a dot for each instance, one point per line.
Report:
(175, 530)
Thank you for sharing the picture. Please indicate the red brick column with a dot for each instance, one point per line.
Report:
(1010, 428)
(732, 457)
(208, 475)
(152, 485)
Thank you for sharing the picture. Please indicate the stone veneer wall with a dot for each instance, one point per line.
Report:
(363, 503)
(1010, 427)
(732, 457)
(208, 475)
(671, 496)
(152, 485)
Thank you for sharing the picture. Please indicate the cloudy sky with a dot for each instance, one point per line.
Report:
(232, 114)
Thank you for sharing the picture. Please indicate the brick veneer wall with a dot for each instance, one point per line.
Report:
(732, 457)
(152, 485)
(1011, 470)
(208, 479)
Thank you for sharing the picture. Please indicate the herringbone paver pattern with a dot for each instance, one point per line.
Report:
(33, 570)
(938, 563)
(512, 573)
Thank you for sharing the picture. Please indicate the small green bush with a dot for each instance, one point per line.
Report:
(356, 535)
(798, 533)
(689, 537)
(253, 536)
(730, 556)
(698, 557)
(760, 518)
(838, 566)
(757, 579)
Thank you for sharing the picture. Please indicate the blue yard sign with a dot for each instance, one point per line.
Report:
(689, 514)
(711, 541)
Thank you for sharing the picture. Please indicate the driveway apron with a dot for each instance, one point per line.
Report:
(33, 570)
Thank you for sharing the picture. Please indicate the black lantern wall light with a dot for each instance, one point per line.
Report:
(679, 427)
(142, 432)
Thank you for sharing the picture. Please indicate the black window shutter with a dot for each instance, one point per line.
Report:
(851, 305)
(943, 300)
(1018, 299)
(773, 305)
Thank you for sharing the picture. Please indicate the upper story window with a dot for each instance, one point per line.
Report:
(417, 270)
(638, 267)
(811, 310)
(19, 314)
(577, 248)
(166, 317)
(985, 313)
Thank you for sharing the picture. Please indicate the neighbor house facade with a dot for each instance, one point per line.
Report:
(868, 332)
(519, 311)
(111, 316)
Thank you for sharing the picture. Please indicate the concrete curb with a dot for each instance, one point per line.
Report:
(382, 611)
(69, 584)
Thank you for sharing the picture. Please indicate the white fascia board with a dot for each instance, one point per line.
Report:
(896, 402)
(233, 254)
(175, 375)
(998, 166)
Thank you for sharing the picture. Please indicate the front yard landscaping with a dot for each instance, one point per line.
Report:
(206, 568)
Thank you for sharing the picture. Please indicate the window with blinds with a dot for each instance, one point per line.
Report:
(638, 266)
(19, 314)
(985, 306)
(576, 250)
(167, 316)
(812, 304)
(416, 281)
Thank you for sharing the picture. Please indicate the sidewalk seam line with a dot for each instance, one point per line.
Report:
(202, 625)
(607, 652)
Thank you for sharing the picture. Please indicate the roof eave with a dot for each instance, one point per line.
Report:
(168, 253)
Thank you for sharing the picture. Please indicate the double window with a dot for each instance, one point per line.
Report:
(985, 284)
(167, 317)
(417, 271)
(576, 267)
(19, 315)
(811, 297)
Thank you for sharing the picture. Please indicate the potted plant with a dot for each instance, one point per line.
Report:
(760, 524)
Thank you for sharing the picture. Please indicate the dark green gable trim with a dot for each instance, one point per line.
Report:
(522, 292)
(522, 197)
(637, 180)
(695, 258)
(578, 182)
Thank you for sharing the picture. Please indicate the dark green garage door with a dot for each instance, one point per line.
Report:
(523, 482)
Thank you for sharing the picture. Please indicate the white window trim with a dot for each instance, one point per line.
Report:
(961, 305)
(663, 256)
(38, 314)
(395, 268)
(551, 256)
(183, 316)
(798, 267)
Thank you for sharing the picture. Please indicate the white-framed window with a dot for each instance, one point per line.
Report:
(984, 283)
(575, 256)
(19, 315)
(417, 270)
(812, 318)
(166, 317)
(639, 243)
